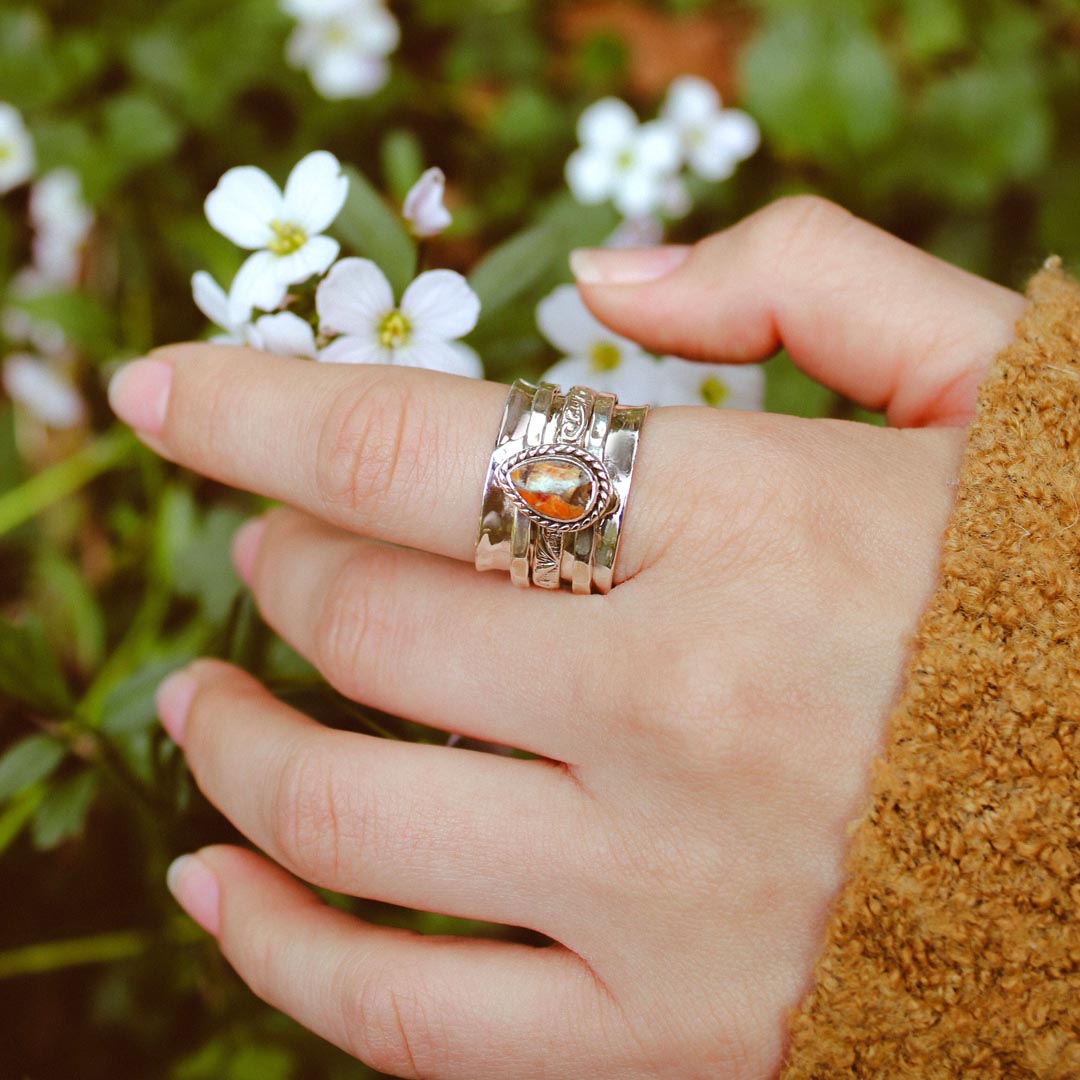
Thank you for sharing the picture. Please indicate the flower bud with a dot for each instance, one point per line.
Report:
(424, 210)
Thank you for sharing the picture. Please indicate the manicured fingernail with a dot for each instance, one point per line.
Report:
(173, 701)
(139, 394)
(626, 266)
(245, 548)
(195, 888)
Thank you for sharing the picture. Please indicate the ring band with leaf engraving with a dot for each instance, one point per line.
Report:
(557, 487)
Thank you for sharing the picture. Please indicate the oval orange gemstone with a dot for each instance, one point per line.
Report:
(558, 488)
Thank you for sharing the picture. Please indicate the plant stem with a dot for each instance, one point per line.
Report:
(97, 949)
(57, 482)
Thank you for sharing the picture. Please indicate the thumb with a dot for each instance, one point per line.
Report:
(859, 310)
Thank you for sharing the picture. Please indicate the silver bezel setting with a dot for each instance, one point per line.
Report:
(604, 500)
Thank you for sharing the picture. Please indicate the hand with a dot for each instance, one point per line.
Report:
(706, 730)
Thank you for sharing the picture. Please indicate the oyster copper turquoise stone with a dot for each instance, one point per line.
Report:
(560, 486)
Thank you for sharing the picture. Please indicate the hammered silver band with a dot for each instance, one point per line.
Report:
(557, 487)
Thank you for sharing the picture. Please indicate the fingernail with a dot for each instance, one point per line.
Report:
(139, 394)
(626, 266)
(173, 700)
(245, 548)
(195, 888)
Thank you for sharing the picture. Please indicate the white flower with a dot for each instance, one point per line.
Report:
(342, 44)
(726, 386)
(19, 325)
(284, 333)
(714, 139)
(62, 221)
(423, 209)
(17, 158)
(43, 390)
(356, 301)
(595, 356)
(622, 160)
(283, 230)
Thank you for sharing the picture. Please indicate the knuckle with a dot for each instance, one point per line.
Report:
(387, 1021)
(305, 809)
(367, 446)
(356, 634)
(802, 217)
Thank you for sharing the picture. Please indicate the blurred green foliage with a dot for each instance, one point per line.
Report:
(954, 123)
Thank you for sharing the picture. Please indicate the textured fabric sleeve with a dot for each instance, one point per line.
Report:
(953, 949)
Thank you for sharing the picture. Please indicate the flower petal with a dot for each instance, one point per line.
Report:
(43, 391)
(728, 386)
(211, 299)
(566, 322)
(440, 305)
(242, 206)
(285, 334)
(592, 175)
(355, 350)
(657, 147)
(449, 356)
(315, 192)
(607, 124)
(377, 31)
(636, 379)
(423, 207)
(339, 74)
(313, 258)
(257, 285)
(353, 299)
(691, 102)
(640, 192)
(18, 160)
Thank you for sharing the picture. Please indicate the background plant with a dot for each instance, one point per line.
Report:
(950, 122)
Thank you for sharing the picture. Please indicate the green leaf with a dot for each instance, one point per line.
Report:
(138, 130)
(15, 816)
(528, 258)
(82, 319)
(822, 86)
(63, 811)
(29, 761)
(203, 568)
(402, 161)
(28, 669)
(372, 229)
(129, 706)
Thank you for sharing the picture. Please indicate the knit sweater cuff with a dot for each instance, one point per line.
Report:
(954, 946)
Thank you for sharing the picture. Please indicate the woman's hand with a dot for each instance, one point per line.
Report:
(706, 730)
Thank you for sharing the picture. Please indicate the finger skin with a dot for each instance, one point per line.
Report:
(426, 638)
(859, 310)
(450, 830)
(441, 1008)
(395, 453)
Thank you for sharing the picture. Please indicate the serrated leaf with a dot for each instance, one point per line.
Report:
(63, 811)
(28, 762)
(28, 669)
(368, 226)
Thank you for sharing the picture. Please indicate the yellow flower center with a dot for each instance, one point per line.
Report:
(335, 35)
(394, 330)
(6, 153)
(624, 160)
(604, 356)
(287, 237)
(714, 392)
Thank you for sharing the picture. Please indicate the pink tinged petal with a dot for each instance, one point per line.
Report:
(315, 257)
(658, 147)
(258, 284)
(440, 305)
(451, 357)
(637, 232)
(675, 198)
(423, 208)
(691, 102)
(591, 175)
(607, 124)
(728, 386)
(211, 299)
(339, 74)
(285, 334)
(242, 206)
(353, 299)
(355, 350)
(315, 192)
(43, 392)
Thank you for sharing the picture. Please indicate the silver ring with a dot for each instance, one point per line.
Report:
(557, 487)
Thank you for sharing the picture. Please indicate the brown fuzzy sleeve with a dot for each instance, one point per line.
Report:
(954, 948)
